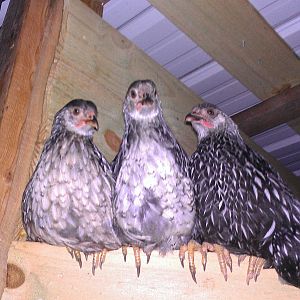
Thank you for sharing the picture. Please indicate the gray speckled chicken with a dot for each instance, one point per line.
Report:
(154, 203)
(67, 201)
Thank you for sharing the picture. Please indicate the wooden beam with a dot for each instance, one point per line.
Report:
(54, 275)
(268, 114)
(9, 43)
(96, 5)
(9, 39)
(94, 61)
(295, 124)
(238, 38)
(22, 101)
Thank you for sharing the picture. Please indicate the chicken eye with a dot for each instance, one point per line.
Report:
(210, 112)
(76, 111)
(133, 94)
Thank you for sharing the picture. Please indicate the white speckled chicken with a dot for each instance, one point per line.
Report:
(154, 203)
(68, 200)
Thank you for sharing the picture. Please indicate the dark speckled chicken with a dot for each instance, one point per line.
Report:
(242, 203)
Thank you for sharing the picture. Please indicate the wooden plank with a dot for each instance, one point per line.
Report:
(23, 102)
(56, 276)
(268, 114)
(238, 38)
(9, 44)
(96, 5)
(94, 61)
(295, 124)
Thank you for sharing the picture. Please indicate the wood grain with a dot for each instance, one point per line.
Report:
(238, 38)
(56, 276)
(94, 61)
(295, 124)
(112, 140)
(96, 5)
(9, 36)
(271, 113)
(23, 110)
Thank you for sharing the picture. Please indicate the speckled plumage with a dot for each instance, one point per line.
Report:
(67, 201)
(153, 204)
(242, 202)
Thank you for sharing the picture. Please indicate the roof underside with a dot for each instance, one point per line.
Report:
(152, 32)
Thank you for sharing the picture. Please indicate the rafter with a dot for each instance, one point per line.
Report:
(295, 124)
(24, 79)
(270, 113)
(96, 5)
(238, 38)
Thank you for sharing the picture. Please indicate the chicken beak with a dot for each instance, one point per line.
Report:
(93, 123)
(147, 100)
(189, 118)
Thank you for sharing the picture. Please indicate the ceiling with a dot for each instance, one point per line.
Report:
(176, 52)
(3, 9)
(166, 44)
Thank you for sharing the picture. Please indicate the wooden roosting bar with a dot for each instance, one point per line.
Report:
(53, 51)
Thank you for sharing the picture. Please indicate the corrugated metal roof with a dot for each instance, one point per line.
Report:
(4, 6)
(160, 39)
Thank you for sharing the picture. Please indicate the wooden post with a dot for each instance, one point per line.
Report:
(96, 5)
(23, 86)
(276, 110)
